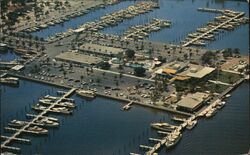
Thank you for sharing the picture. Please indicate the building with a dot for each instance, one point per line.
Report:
(100, 50)
(170, 70)
(197, 71)
(182, 71)
(78, 58)
(192, 102)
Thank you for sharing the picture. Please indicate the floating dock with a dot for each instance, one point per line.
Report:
(141, 31)
(5, 144)
(207, 32)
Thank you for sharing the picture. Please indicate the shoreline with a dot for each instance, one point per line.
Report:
(106, 96)
(123, 100)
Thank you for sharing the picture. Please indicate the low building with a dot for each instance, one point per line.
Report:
(192, 102)
(171, 69)
(183, 71)
(17, 67)
(197, 71)
(78, 58)
(100, 50)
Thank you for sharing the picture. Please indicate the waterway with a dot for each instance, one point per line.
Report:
(9, 55)
(100, 127)
(184, 17)
(96, 127)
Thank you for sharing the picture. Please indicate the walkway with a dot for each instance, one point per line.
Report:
(23, 129)
(213, 29)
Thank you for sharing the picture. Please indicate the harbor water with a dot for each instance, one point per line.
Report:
(100, 127)
(184, 17)
(8, 55)
(96, 127)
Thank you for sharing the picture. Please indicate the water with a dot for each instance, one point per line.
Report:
(184, 17)
(100, 127)
(96, 127)
(9, 55)
(226, 133)
(77, 21)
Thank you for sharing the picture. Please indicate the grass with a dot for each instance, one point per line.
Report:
(215, 88)
(227, 77)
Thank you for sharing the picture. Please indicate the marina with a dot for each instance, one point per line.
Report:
(28, 128)
(87, 71)
(141, 31)
(227, 21)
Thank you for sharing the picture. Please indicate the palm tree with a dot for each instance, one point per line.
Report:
(23, 43)
(30, 44)
(17, 41)
(9, 41)
(81, 77)
(43, 48)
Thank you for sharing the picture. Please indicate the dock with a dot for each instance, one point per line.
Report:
(141, 31)
(161, 142)
(21, 140)
(210, 10)
(23, 129)
(154, 140)
(213, 29)
(51, 118)
(127, 106)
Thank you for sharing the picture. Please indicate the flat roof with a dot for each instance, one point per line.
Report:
(191, 101)
(78, 58)
(17, 67)
(175, 65)
(197, 71)
(100, 49)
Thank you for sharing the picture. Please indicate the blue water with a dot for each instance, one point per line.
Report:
(8, 56)
(184, 17)
(96, 127)
(226, 133)
(77, 21)
(100, 127)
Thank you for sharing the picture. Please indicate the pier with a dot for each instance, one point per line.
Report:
(210, 10)
(141, 31)
(127, 106)
(18, 132)
(202, 35)
(21, 140)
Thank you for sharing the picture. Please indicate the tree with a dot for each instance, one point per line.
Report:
(98, 80)
(208, 57)
(104, 65)
(81, 77)
(227, 52)
(130, 53)
(139, 71)
(236, 51)
(185, 56)
(64, 73)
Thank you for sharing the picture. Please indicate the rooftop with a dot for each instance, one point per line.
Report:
(197, 71)
(191, 101)
(78, 58)
(172, 67)
(101, 49)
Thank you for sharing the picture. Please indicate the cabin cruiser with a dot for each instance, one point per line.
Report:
(163, 126)
(86, 93)
(38, 130)
(173, 139)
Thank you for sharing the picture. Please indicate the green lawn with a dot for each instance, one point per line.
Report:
(227, 77)
(212, 87)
